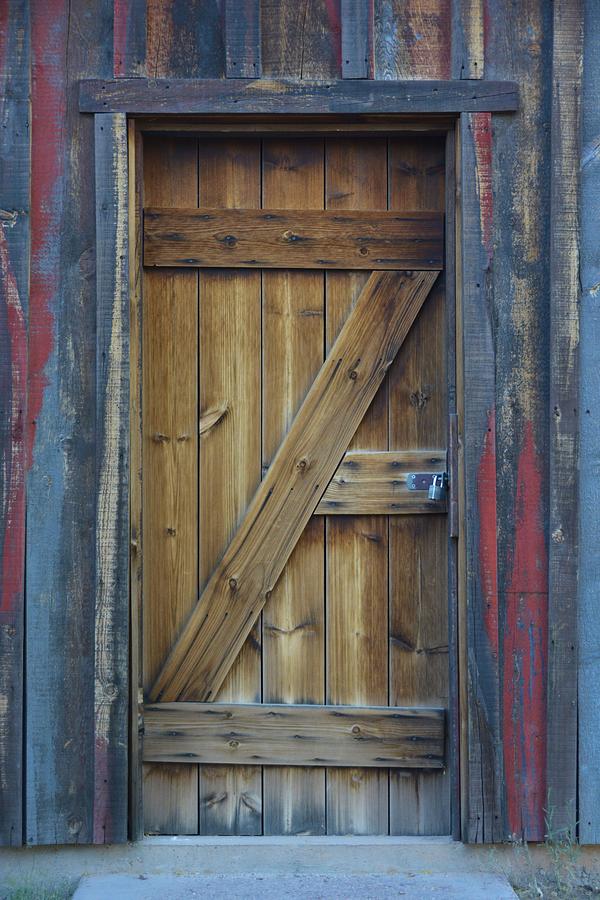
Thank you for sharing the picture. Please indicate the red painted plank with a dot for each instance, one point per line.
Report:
(525, 647)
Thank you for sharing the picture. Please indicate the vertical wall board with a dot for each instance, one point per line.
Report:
(468, 39)
(482, 764)
(301, 40)
(563, 523)
(242, 39)
(412, 39)
(357, 38)
(589, 477)
(483, 817)
(111, 683)
(185, 39)
(14, 291)
(129, 37)
(518, 47)
(60, 543)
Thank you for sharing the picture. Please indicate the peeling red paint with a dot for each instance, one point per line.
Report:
(335, 27)
(525, 654)
(481, 124)
(488, 557)
(121, 12)
(48, 110)
(13, 469)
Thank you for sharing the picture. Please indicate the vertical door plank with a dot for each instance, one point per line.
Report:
(230, 454)
(293, 619)
(170, 466)
(418, 646)
(357, 546)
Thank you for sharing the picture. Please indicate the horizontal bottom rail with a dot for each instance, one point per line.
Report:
(290, 735)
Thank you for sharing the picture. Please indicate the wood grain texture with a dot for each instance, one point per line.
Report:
(357, 38)
(295, 239)
(15, 244)
(111, 669)
(375, 483)
(301, 40)
(418, 403)
(518, 233)
(169, 455)
(240, 585)
(230, 321)
(185, 39)
(412, 39)
(294, 617)
(285, 734)
(242, 39)
(129, 38)
(589, 485)
(468, 33)
(261, 96)
(136, 685)
(61, 490)
(357, 800)
(563, 523)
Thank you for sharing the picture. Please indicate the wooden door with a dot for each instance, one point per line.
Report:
(295, 628)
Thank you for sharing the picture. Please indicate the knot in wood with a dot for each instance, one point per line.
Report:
(171, 531)
(159, 438)
(364, 251)
(290, 236)
(355, 729)
(302, 464)
(233, 744)
(230, 240)
(233, 584)
(353, 374)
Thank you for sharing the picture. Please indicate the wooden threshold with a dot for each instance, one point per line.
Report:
(301, 239)
(143, 96)
(374, 482)
(290, 735)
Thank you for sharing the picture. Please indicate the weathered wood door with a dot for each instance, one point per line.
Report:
(292, 302)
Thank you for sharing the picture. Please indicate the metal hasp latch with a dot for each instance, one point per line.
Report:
(435, 483)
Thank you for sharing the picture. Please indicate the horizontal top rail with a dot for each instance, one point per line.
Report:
(222, 96)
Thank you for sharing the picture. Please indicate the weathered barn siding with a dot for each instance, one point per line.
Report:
(520, 573)
(589, 492)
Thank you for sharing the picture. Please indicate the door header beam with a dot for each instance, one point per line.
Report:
(220, 96)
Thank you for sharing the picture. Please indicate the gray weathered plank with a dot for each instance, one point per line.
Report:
(242, 39)
(60, 587)
(589, 472)
(260, 96)
(291, 735)
(111, 688)
(15, 242)
(357, 38)
(563, 524)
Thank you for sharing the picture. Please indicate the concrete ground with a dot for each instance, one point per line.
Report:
(469, 886)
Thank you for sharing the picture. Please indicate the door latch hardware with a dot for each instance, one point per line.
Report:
(435, 483)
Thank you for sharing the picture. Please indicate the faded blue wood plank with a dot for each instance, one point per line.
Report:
(14, 289)
(357, 19)
(242, 39)
(589, 479)
(111, 691)
(68, 43)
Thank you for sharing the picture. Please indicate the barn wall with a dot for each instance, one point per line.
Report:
(522, 675)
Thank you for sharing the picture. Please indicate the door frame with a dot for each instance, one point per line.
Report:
(473, 758)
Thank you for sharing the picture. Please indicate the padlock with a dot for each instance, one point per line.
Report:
(437, 488)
